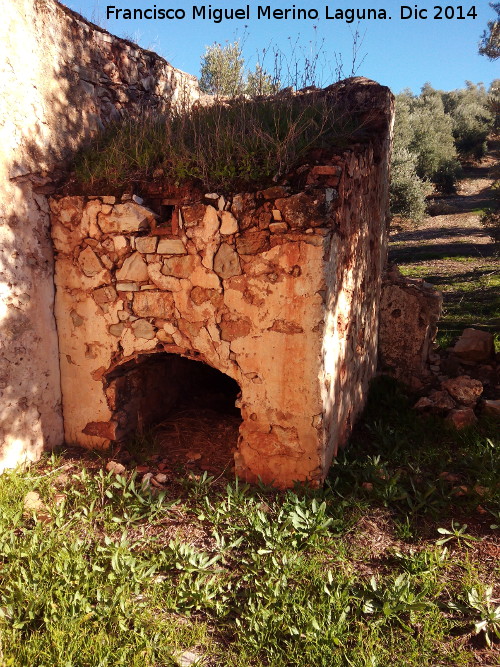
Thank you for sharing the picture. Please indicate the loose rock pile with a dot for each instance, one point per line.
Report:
(465, 380)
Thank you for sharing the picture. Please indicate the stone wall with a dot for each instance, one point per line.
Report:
(409, 313)
(61, 79)
(278, 289)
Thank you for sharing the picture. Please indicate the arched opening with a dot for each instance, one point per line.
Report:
(175, 410)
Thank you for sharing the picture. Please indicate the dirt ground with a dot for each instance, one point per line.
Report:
(452, 250)
(454, 228)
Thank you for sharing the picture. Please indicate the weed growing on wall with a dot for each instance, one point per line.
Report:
(243, 143)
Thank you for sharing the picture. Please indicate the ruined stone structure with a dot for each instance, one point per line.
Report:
(61, 79)
(277, 289)
(409, 312)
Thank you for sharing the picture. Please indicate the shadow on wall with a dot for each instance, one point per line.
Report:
(64, 79)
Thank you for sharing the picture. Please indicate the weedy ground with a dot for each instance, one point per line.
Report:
(394, 562)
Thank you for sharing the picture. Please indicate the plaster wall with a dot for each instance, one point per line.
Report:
(61, 79)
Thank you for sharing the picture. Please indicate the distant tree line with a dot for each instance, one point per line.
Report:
(433, 133)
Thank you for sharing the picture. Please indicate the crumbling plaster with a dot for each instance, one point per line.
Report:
(61, 79)
(279, 289)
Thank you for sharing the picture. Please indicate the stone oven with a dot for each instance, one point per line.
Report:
(278, 290)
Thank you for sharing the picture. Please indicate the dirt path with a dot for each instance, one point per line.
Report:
(452, 250)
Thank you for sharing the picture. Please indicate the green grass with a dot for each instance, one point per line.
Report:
(244, 576)
(223, 147)
(470, 298)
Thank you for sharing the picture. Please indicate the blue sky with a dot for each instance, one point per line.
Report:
(398, 53)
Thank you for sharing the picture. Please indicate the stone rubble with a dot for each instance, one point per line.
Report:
(464, 382)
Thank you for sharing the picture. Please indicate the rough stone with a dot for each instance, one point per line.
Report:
(117, 329)
(115, 467)
(464, 390)
(127, 287)
(170, 283)
(274, 192)
(232, 329)
(423, 403)
(134, 268)
(462, 418)
(193, 215)
(127, 217)
(278, 227)
(153, 304)
(474, 345)
(226, 262)
(89, 262)
(441, 401)
(303, 210)
(179, 267)
(143, 329)
(146, 244)
(229, 224)
(120, 244)
(409, 313)
(252, 243)
(491, 408)
(171, 247)
(105, 294)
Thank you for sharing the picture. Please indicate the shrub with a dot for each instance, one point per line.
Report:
(447, 175)
(407, 190)
(222, 70)
(472, 118)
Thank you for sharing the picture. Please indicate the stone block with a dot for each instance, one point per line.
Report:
(89, 262)
(153, 304)
(229, 224)
(106, 294)
(146, 244)
(134, 268)
(408, 318)
(491, 408)
(179, 267)
(474, 345)
(303, 210)
(226, 262)
(464, 390)
(126, 218)
(278, 227)
(171, 247)
(143, 329)
(252, 243)
(462, 418)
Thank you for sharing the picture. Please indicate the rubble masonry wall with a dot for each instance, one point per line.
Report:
(277, 289)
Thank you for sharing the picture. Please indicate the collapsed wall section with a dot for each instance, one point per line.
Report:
(62, 79)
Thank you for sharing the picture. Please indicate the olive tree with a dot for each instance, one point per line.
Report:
(490, 41)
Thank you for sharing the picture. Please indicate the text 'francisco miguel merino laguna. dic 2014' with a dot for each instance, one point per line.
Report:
(244, 13)
(294, 13)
